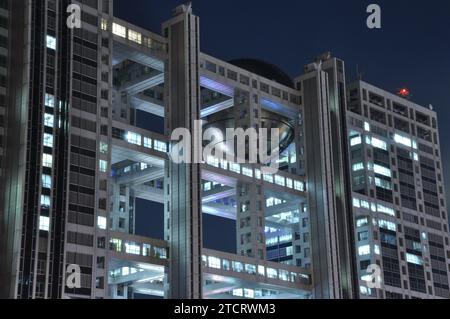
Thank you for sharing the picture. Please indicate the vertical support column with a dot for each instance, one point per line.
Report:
(184, 180)
(250, 196)
(250, 221)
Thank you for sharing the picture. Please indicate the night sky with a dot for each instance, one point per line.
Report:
(412, 49)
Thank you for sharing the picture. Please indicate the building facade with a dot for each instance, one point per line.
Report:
(81, 158)
(398, 194)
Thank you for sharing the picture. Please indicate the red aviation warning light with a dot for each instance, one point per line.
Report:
(404, 92)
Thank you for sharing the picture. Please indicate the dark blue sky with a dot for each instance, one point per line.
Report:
(412, 49)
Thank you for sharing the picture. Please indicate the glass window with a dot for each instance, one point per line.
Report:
(378, 169)
(101, 222)
(361, 222)
(356, 140)
(362, 236)
(236, 168)
(147, 142)
(364, 250)
(135, 36)
(51, 42)
(44, 223)
(45, 201)
(261, 270)
(132, 248)
(104, 24)
(385, 210)
(49, 120)
(133, 138)
(279, 180)
(49, 100)
(413, 259)
(160, 146)
(47, 160)
(48, 140)
(272, 273)
(103, 148)
(379, 144)
(250, 269)
(358, 167)
(299, 186)
(289, 183)
(387, 225)
(46, 181)
(247, 171)
(214, 262)
(237, 266)
(119, 30)
(403, 140)
(103, 166)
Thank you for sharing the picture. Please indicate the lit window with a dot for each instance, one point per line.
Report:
(47, 160)
(365, 204)
(46, 181)
(45, 201)
(237, 266)
(48, 140)
(135, 36)
(147, 142)
(258, 173)
(413, 259)
(160, 146)
(104, 24)
(299, 186)
(289, 183)
(44, 223)
(378, 169)
(236, 168)
(132, 248)
(415, 157)
(358, 167)
(268, 178)
(385, 210)
(365, 291)
(103, 148)
(101, 222)
(356, 203)
(49, 100)
(379, 144)
(103, 166)
(356, 140)
(376, 250)
(261, 271)
(119, 30)
(403, 140)
(49, 120)
(249, 293)
(133, 138)
(279, 180)
(360, 222)
(214, 262)
(247, 171)
(272, 273)
(366, 127)
(160, 253)
(383, 183)
(115, 244)
(387, 225)
(51, 42)
(207, 187)
(364, 250)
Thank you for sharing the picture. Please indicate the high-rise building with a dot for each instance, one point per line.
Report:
(399, 205)
(90, 174)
